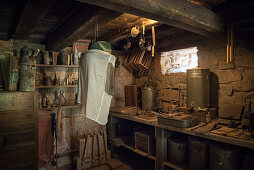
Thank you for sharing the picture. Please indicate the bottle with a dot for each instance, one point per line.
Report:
(40, 103)
(208, 117)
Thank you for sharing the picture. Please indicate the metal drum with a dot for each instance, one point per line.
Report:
(177, 150)
(27, 77)
(148, 98)
(224, 158)
(198, 88)
(27, 72)
(198, 154)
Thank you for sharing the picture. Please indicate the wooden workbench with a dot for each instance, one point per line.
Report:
(161, 132)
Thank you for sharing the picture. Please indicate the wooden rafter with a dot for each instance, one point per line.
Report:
(30, 17)
(181, 13)
(80, 25)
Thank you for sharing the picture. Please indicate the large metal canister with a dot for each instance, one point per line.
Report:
(27, 77)
(177, 150)
(198, 154)
(224, 158)
(148, 98)
(27, 71)
(198, 88)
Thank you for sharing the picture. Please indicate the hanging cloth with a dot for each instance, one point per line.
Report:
(96, 70)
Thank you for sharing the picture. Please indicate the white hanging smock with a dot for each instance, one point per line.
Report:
(93, 79)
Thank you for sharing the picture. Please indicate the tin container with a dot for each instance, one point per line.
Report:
(198, 154)
(62, 58)
(177, 150)
(186, 123)
(198, 88)
(27, 77)
(148, 98)
(224, 157)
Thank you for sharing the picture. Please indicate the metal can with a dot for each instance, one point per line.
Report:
(62, 58)
(198, 154)
(198, 92)
(177, 150)
(224, 157)
(148, 98)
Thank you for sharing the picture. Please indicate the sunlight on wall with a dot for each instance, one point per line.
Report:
(179, 60)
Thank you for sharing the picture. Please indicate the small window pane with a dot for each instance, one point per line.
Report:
(179, 60)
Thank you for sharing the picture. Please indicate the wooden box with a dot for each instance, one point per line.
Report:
(18, 130)
(145, 141)
(132, 95)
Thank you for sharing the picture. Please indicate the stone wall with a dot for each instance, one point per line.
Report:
(235, 79)
(122, 78)
(230, 83)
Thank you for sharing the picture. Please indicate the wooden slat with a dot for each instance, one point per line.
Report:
(54, 86)
(19, 137)
(181, 13)
(44, 65)
(15, 121)
(16, 100)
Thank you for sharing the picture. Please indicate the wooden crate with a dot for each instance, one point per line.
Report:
(145, 141)
(18, 130)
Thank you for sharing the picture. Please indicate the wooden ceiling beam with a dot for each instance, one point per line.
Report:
(30, 17)
(181, 13)
(80, 25)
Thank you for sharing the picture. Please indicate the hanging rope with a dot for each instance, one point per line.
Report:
(96, 31)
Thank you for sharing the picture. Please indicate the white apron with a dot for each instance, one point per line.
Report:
(93, 75)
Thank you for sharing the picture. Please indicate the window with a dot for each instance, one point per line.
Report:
(179, 60)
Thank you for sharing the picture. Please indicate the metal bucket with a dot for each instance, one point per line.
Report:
(198, 88)
(177, 150)
(224, 158)
(148, 98)
(198, 154)
(27, 77)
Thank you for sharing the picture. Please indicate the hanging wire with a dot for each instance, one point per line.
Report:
(96, 31)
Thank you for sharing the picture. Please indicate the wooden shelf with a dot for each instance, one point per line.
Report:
(54, 86)
(45, 65)
(137, 151)
(65, 107)
(211, 136)
(174, 166)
